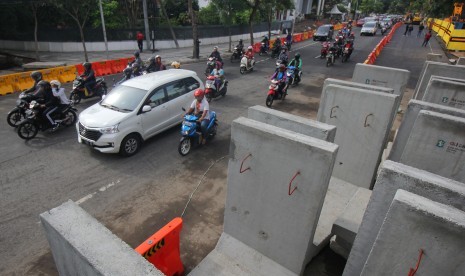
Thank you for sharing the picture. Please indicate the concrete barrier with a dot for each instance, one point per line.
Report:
(375, 88)
(413, 109)
(445, 92)
(461, 61)
(394, 176)
(293, 123)
(382, 76)
(416, 226)
(434, 57)
(437, 144)
(277, 180)
(363, 120)
(439, 69)
(82, 246)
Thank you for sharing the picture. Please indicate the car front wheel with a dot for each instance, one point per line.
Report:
(130, 145)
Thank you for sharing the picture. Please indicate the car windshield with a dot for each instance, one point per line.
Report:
(323, 29)
(124, 98)
(370, 24)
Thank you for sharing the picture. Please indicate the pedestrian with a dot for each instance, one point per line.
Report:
(420, 29)
(140, 40)
(410, 29)
(407, 27)
(427, 38)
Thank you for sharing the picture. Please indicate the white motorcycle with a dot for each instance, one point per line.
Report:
(245, 67)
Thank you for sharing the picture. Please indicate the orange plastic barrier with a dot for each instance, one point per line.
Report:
(101, 68)
(79, 68)
(305, 36)
(118, 65)
(5, 85)
(162, 249)
(256, 47)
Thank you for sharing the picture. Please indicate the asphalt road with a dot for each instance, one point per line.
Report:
(136, 196)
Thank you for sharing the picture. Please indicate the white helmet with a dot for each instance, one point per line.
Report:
(55, 82)
(250, 48)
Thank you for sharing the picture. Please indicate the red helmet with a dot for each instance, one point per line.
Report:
(198, 93)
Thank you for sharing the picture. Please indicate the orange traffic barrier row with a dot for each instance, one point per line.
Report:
(162, 249)
(379, 47)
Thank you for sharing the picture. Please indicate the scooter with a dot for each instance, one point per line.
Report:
(35, 121)
(210, 88)
(127, 74)
(274, 93)
(346, 52)
(288, 45)
(292, 78)
(275, 51)
(190, 131)
(330, 56)
(245, 67)
(80, 92)
(236, 54)
(263, 49)
(211, 63)
(324, 49)
(17, 114)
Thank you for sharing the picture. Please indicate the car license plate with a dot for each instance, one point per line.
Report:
(85, 142)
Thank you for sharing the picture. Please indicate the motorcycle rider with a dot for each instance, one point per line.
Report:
(136, 63)
(289, 39)
(280, 75)
(37, 77)
(266, 42)
(249, 55)
(277, 45)
(297, 62)
(240, 47)
(48, 102)
(284, 56)
(218, 73)
(200, 105)
(88, 77)
(59, 92)
(215, 54)
(155, 64)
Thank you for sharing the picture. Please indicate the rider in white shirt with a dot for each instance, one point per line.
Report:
(200, 105)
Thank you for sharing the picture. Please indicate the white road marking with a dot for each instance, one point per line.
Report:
(102, 189)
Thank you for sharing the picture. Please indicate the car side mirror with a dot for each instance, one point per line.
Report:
(146, 108)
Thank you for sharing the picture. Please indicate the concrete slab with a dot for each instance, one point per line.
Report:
(292, 122)
(382, 76)
(415, 223)
(259, 210)
(437, 144)
(413, 109)
(445, 92)
(394, 176)
(439, 69)
(82, 246)
(460, 61)
(381, 89)
(363, 120)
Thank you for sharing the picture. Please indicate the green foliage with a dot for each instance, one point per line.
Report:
(112, 15)
(209, 15)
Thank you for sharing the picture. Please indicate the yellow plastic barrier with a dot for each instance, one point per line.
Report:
(305, 36)
(65, 73)
(21, 81)
(5, 85)
(48, 75)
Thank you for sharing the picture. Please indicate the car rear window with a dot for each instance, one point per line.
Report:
(370, 24)
(323, 29)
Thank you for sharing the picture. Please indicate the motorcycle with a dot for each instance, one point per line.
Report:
(244, 65)
(324, 49)
(35, 121)
(275, 51)
(190, 131)
(211, 63)
(288, 45)
(291, 77)
(80, 92)
(211, 91)
(263, 49)
(383, 29)
(127, 74)
(330, 56)
(17, 114)
(237, 53)
(346, 52)
(274, 93)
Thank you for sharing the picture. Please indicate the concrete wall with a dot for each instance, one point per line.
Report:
(413, 109)
(293, 123)
(382, 76)
(461, 61)
(437, 144)
(439, 69)
(413, 223)
(394, 176)
(82, 246)
(444, 92)
(259, 210)
(329, 81)
(361, 136)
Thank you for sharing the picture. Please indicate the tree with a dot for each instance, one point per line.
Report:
(160, 5)
(132, 11)
(270, 7)
(195, 34)
(254, 5)
(79, 11)
(112, 11)
(227, 9)
(34, 8)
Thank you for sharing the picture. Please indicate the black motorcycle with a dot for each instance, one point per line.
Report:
(237, 54)
(80, 92)
(275, 51)
(330, 56)
(17, 114)
(35, 121)
(263, 49)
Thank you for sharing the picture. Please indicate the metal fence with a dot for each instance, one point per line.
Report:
(161, 33)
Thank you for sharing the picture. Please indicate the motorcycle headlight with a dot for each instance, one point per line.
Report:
(186, 132)
(110, 129)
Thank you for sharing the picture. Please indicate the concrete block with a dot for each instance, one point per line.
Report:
(437, 144)
(461, 61)
(381, 89)
(413, 109)
(82, 246)
(445, 92)
(439, 69)
(394, 176)
(259, 210)
(363, 120)
(292, 122)
(382, 76)
(413, 223)
(434, 57)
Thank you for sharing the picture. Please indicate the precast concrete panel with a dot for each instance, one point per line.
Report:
(445, 92)
(413, 109)
(392, 177)
(292, 122)
(82, 246)
(382, 76)
(439, 69)
(363, 120)
(460, 61)
(277, 181)
(437, 144)
(415, 223)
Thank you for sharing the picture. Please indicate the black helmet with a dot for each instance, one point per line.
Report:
(136, 53)
(87, 65)
(152, 59)
(36, 76)
(240, 40)
(297, 55)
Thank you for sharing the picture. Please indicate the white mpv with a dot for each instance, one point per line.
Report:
(136, 110)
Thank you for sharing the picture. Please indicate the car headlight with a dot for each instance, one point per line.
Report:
(110, 129)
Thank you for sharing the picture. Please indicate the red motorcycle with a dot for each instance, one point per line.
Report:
(276, 91)
(324, 49)
(346, 52)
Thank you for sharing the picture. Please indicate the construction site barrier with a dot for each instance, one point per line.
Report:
(65, 73)
(379, 47)
(451, 33)
(102, 68)
(256, 47)
(5, 85)
(162, 249)
(21, 81)
(118, 65)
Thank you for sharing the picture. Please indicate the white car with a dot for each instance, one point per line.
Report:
(369, 28)
(136, 110)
